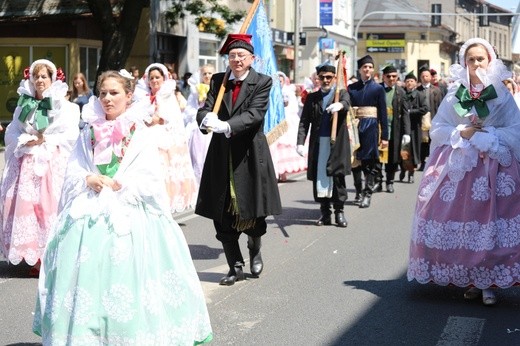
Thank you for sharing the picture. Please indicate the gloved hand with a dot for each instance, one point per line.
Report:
(218, 126)
(210, 115)
(300, 149)
(335, 107)
(406, 140)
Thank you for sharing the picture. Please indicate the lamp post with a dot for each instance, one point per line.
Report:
(296, 39)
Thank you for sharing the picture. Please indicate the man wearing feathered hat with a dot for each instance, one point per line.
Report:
(327, 163)
(238, 187)
(370, 99)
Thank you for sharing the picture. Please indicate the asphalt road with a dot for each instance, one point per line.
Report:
(321, 285)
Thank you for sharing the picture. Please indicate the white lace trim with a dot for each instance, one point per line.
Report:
(470, 235)
(443, 274)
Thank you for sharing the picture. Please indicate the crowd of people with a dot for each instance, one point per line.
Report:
(92, 184)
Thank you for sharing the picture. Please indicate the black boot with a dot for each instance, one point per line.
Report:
(365, 202)
(235, 263)
(410, 178)
(341, 221)
(255, 256)
(325, 215)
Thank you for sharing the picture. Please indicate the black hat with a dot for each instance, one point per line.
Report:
(326, 67)
(410, 75)
(367, 59)
(237, 41)
(423, 68)
(389, 69)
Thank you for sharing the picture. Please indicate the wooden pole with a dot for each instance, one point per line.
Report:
(339, 74)
(243, 29)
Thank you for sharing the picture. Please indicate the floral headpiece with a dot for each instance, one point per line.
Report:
(57, 73)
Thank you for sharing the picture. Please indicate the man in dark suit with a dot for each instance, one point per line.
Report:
(238, 187)
(398, 123)
(328, 163)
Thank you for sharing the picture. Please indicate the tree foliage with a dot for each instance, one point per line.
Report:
(204, 12)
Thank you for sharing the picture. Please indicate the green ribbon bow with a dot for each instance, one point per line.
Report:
(466, 102)
(28, 104)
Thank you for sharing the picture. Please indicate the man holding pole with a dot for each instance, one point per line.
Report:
(328, 160)
(238, 187)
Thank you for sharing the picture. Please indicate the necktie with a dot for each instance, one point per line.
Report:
(387, 89)
(236, 90)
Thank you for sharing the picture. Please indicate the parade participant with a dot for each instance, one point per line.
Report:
(433, 100)
(38, 143)
(438, 83)
(283, 151)
(157, 89)
(466, 229)
(117, 269)
(327, 163)
(238, 189)
(370, 97)
(415, 107)
(198, 142)
(398, 122)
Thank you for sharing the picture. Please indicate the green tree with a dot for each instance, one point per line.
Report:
(209, 15)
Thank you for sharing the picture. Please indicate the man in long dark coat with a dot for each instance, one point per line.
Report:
(434, 97)
(416, 106)
(369, 97)
(238, 187)
(397, 123)
(327, 163)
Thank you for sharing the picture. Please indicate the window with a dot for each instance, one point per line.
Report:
(88, 63)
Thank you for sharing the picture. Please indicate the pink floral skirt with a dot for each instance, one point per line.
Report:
(29, 206)
(466, 228)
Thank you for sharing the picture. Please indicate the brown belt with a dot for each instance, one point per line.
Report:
(365, 112)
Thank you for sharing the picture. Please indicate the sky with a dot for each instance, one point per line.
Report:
(510, 5)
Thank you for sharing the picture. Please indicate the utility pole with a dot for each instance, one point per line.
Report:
(296, 39)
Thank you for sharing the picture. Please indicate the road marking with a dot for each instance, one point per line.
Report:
(461, 331)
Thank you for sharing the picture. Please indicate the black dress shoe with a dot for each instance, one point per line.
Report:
(410, 179)
(255, 256)
(390, 188)
(235, 274)
(324, 220)
(401, 175)
(357, 199)
(365, 203)
(378, 187)
(340, 219)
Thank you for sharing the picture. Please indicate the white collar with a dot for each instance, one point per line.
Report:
(242, 78)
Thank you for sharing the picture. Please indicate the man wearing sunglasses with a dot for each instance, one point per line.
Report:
(238, 187)
(328, 163)
(397, 123)
(370, 99)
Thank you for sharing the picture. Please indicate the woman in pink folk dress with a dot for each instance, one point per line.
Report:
(158, 89)
(283, 151)
(466, 228)
(38, 143)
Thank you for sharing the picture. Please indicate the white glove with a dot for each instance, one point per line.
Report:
(335, 107)
(406, 140)
(300, 149)
(209, 115)
(218, 126)
(484, 141)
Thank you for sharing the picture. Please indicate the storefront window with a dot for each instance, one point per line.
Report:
(13, 61)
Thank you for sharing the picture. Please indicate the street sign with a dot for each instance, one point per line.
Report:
(385, 49)
(326, 12)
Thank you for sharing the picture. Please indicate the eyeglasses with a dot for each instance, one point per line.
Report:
(323, 77)
(239, 57)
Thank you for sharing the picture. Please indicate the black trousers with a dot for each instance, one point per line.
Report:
(339, 193)
(229, 237)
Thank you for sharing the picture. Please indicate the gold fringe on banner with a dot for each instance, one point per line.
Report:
(277, 132)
